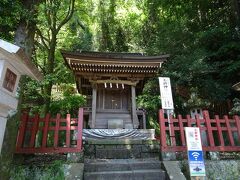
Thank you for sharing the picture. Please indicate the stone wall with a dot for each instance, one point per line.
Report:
(121, 149)
(8, 149)
(55, 170)
(48, 166)
(216, 169)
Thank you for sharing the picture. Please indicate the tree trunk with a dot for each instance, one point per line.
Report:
(50, 71)
(24, 37)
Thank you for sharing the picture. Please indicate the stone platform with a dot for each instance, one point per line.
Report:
(118, 134)
(121, 149)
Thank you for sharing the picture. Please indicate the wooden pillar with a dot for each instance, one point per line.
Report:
(144, 120)
(134, 114)
(94, 105)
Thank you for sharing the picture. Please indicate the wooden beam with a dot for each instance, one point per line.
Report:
(131, 83)
(144, 120)
(134, 114)
(94, 105)
(139, 75)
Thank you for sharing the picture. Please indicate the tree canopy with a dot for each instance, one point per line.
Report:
(202, 38)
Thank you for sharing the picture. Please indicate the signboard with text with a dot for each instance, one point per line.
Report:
(166, 93)
(195, 153)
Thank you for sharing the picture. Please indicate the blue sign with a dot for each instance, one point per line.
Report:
(196, 163)
(195, 155)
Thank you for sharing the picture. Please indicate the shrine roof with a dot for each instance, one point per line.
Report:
(112, 56)
(108, 67)
(109, 64)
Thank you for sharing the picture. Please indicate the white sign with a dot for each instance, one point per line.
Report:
(166, 93)
(195, 153)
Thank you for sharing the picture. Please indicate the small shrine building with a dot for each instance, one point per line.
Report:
(111, 82)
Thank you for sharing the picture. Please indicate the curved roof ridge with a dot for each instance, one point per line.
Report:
(111, 55)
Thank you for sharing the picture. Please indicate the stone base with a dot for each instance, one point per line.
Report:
(173, 170)
(75, 157)
(73, 171)
(168, 156)
(136, 134)
(121, 149)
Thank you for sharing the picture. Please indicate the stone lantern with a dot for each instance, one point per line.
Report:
(13, 64)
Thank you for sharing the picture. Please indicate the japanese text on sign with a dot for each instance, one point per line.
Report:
(166, 93)
(195, 153)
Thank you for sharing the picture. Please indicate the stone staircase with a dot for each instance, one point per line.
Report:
(123, 169)
(122, 159)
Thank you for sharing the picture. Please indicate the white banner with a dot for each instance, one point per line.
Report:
(166, 93)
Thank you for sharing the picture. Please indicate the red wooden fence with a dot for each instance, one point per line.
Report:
(50, 135)
(221, 134)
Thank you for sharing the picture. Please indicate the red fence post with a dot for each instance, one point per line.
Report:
(45, 130)
(229, 131)
(172, 132)
(21, 131)
(34, 130)
(162, 128)
(80, 129)
(198, 122)
(183, 141)
(68, 127)
(237, 120)
(189, 121)
(209, 128)
(56, 131)
(219, 131)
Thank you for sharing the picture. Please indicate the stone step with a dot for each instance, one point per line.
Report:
(99, 165)
(148, 174)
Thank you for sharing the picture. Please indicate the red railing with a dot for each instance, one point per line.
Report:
(217, 134)
(50, 135)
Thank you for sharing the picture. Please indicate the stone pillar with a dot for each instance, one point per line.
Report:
(3, 122)
(134, 114)
(94, 105)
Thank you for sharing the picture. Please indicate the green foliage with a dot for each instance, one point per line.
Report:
(201, 36)
(236, 107)
(31, 93)
(52, 171)
(150, 101)
(69, 104)
(10, 13)
(64, 101)
(150, 98)
(195, 101)
(203, 41)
